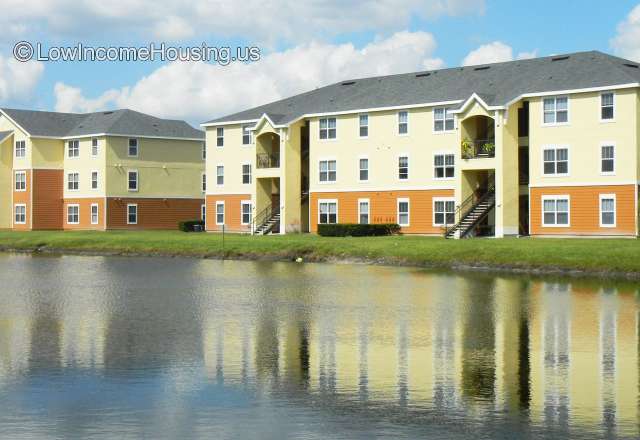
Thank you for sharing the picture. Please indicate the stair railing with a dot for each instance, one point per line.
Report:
(466, 207)
(263, 217)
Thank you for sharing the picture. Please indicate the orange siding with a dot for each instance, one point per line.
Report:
(21, 197)
(585, 210)
(85, 214)
(383, 208)
(152, 213)
(232, 212)
(47, 199)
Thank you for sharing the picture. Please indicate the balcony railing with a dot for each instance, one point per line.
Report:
(478, 148)
(264, 160)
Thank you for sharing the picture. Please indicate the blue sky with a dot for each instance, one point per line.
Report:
(333, 43)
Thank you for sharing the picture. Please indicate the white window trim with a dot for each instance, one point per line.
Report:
(607, 121)
(398, 123)
(97, 147)
(137, 147)
(97, 180)
(15, 180)
(327, 139)
(615, 148)
(15, 149)
(244, 203)
(397, 171)
(224, 213)
(223, 174)
(556, 198)
(359, 169)
(66, 187)
(68, 156)
(444, 121)
(250, 173)
(203, 182)
(328, 159)
(556, 147)
(433, 165)
(137, 213)
(433, 209)
(359, 126)
(615, 210)
(402, 200)
(72, 205)
(368, 202)
(556, 124)
(137, 180)
(97, 214)
(321, 201)
(22, 205)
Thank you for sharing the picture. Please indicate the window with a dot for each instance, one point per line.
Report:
(247, 135)
(94, 147)
(132, 180)
(443, 119)
(556, 110)
(246, 173)
(328, 211)
(364, 126)
(220, 175)
(607, 159)
(73, 181)
(403, 122)
(73, 148)
(363, 211)
(328, 171)
(94, 180)
(444, 212)
(403, 212)
(444, 166)
(245, 214)
(133, 148)
(328, 128)
(219, 213)
(203, 213)
(20, 217)
(363, 169)
(556, 161)
(20, 183)
(204, 151)
(403, 167)
(73, 214)
(132, 214)
(607, 210)
(607, 107)
(21, 149)
(220, 136)
(204, 182)
(94, 213)
(555, 211)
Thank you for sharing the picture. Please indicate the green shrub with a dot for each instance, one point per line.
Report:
(358, 230)
(190, 225)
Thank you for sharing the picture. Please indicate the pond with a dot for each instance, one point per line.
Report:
(109, 347)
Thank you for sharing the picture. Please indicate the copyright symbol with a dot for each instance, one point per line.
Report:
(23, 51)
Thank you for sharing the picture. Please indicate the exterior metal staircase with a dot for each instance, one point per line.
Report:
(267, 221)
(471, 212)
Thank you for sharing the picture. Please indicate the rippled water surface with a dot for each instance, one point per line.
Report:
(169, 348)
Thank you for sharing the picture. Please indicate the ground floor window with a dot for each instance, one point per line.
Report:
(203, 213)
(607, 210)
(403, 212)
(20, 214)
(328, 211)
(219, 213)
(444, 212)
(555, 211)
(245, 212)
(94, 213)
(363, 211)
(132, 214)
(73, 214)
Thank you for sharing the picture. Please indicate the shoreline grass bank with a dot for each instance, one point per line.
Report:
(618, 258)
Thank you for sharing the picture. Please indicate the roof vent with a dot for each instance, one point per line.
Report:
(107, 113)
(566, 57)
(348, 83)
(423, 75)
(482, 68)
(634, 66)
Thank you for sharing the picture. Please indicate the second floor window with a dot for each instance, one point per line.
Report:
(73, 181)
(133, 148)
(220, 136)
(21, 149)
(403, 122)
(246, 173)
(556, 110)
(607, 112)
(607, 159)
(204, 151)
(94, 147)
(132, 181)
(204, 182)
(247, 135)
(20, 181)
(403, 168)
(328, 128)
(364, 169)
(328, 171)
(443, 119)
(556, 161)
(73, 148)
(444, 166)
(94, 180)
(364, 126)
(220, 175)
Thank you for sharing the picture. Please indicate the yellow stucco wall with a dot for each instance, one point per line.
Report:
(84, 165)
(232, 155)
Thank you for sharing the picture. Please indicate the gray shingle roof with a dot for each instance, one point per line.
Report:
(118, 122)
(496, 83)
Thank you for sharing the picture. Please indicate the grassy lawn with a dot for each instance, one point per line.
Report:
(612, 255)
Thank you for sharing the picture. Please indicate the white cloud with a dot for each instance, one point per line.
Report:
(626, 43)
(200, 91)
(495, 52)
(17, 80)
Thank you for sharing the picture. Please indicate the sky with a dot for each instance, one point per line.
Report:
(303, 45)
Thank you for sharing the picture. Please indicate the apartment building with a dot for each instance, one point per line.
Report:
(107, 170)
(542, 147)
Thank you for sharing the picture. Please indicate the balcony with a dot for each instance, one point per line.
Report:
(264, 160)
(478, 148)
